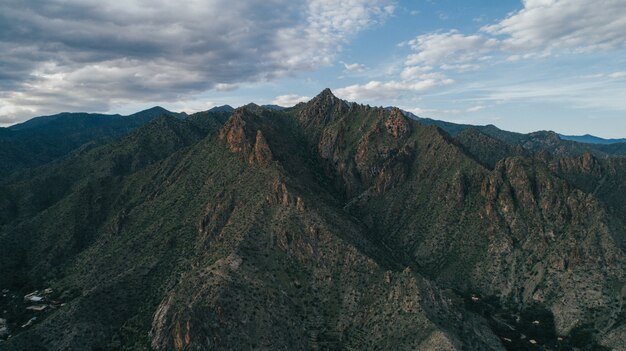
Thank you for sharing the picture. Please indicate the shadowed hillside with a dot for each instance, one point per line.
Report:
(326, 226)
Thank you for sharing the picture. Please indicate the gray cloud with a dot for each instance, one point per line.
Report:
(87, 55)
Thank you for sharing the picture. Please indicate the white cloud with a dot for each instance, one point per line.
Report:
(539, 30)
(355, 67)
(593, 94)
(376, 90)
(289, 100)
(91, 55)
(617, 75)
(461, 67)
(421, 112)
(414, 72)
(450, 47)
(426, 112)
(551, 25)
(613, 75)
(476, 108)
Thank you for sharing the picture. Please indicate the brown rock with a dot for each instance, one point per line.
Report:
(262, 152)
(397, 124)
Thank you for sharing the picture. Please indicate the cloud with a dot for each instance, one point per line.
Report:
(617, 75)
(593, 94)
(91, 55)
(391, 90)
(424, 112)
(540, 29)
(613, 75)
(461, 67)
(420, 112)
(289, 100)
(450, 47)
(579, 25)
(226, 87)
(476, 108)
(355, 67)
(413, 72)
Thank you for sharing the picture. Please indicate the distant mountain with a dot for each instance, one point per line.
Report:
(542, 140)
(43, 139)
(329, 225)
(274, 107)
(590, 139)
(223, 108)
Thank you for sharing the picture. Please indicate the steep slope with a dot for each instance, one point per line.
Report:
(605, 178)
(614, 149)
(521, 234)
(80, 188)
(43, 139)
(486, 149)
(558, 145)
(323, 226)
(221, 246)
(591, 139)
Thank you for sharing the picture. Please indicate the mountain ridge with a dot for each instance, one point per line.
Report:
(592, 139)
(327, 225)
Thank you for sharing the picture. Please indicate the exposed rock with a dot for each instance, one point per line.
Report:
(240, 138)
(281, 196)
(234, 133)
(397, 124)
(262, 152)
(322, 110)
(554, 226)
(343, 239)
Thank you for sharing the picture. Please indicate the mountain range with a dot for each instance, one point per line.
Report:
(325, 226)
(590, 139)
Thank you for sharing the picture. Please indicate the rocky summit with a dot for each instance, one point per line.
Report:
(326, 226)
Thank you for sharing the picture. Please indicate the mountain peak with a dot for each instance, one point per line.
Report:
(156, 109)
(322, 109)
(223, 108)
(326, 98)
(325, 95)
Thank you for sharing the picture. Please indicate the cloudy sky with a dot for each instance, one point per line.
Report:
(521, 65)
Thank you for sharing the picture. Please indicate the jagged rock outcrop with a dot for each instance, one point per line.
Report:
(397, 124)
(262, 152)
(321, 111)
(239, 139)
(328, 225)
(553, 237)
(281, 196)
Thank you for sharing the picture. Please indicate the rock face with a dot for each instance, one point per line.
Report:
(556, 236)
(321, 227)
(238, 137)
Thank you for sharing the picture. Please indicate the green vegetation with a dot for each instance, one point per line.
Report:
(325, 226)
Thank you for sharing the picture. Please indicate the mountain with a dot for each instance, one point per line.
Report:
(328, 225)
(274, 107)
(223, 108)
(44, 139)
(590, 139)
(549, 141)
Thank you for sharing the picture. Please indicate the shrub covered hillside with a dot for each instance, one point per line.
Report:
(325, 226)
